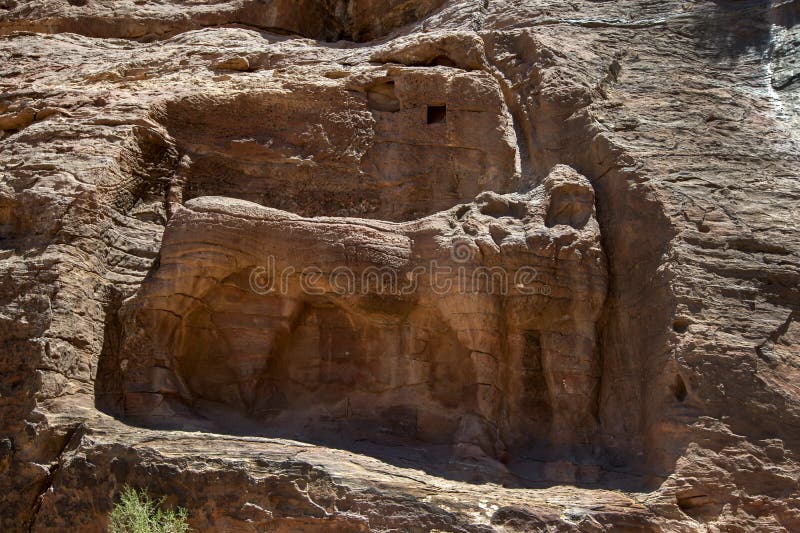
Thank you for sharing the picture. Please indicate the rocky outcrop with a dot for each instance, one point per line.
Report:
(439, 328)
(209, 212)
(324, 20)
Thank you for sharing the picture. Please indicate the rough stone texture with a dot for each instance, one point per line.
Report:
(421, 335)
(155, 155)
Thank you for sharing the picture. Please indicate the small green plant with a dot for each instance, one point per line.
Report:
(137, 512)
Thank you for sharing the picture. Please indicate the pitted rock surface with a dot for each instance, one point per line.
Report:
(610, 188)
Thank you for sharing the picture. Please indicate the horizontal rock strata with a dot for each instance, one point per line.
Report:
(617, 182)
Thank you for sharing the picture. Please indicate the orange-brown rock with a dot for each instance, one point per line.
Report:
(415, 265)
(474, 326)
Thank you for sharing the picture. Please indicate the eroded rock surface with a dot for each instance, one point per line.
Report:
(209, 210)
(441, 328)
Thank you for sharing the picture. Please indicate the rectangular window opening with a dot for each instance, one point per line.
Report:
(437, 114)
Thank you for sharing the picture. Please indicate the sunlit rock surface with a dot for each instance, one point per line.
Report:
(401, 266)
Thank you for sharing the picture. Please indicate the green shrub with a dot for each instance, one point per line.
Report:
(137, 512)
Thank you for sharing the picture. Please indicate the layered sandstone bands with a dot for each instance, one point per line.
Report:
(639, 157)
(431, 326)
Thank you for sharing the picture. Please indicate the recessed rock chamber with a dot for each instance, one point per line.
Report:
(442, 312)
(474, 326)
(378, 146)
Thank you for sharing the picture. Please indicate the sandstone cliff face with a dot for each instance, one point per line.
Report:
(401, 266)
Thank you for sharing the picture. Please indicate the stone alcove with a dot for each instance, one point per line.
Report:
(383, 169)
